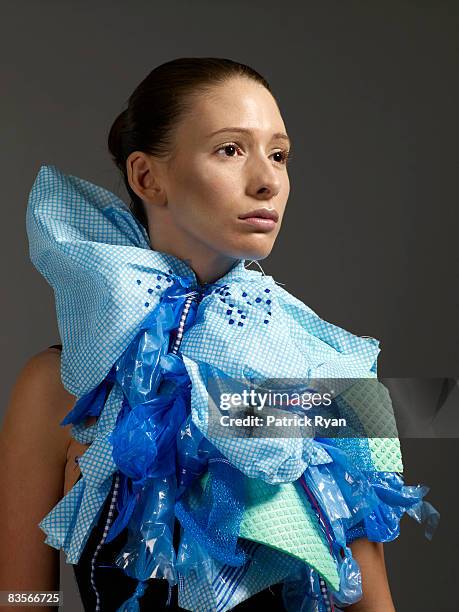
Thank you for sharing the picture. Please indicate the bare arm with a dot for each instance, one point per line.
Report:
(33, 449)
(375, 586)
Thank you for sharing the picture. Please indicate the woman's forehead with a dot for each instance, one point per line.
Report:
(250, 112)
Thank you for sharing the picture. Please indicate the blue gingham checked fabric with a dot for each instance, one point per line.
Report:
(232, 585)
(106, 279)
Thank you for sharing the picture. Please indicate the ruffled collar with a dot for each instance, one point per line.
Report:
(120, 308)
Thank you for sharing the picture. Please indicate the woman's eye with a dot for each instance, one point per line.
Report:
(228, 147)
(285, 156)
(232, 148)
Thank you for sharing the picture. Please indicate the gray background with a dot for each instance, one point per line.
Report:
(368, 92)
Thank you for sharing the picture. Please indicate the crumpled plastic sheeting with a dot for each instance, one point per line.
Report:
(347, 499)
(215, 522)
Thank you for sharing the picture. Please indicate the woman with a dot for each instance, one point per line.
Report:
(203, 152)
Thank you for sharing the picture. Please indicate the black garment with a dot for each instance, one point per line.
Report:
(114, 586)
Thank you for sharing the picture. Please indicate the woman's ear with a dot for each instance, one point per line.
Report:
(145, 176)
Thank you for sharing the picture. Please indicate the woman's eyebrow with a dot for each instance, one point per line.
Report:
(281, 135)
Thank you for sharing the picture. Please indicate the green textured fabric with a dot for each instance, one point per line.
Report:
(386, 454)
(371, 401)
(280, 516)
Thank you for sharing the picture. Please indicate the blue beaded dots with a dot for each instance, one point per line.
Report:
(158, 286)
(237, 315)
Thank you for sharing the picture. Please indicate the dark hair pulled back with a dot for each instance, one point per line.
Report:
(158, 103)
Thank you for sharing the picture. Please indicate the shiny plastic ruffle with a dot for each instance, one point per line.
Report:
(352, 503)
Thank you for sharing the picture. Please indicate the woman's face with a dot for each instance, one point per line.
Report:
(214, 178)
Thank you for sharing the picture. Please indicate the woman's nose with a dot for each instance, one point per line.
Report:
(265, 180)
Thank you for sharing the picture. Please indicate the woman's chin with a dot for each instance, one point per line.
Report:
(254, 246)
(256, 253)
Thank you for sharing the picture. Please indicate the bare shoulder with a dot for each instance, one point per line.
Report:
(37, 404)
(33, 451)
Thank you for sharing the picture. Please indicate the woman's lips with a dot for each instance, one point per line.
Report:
(260, 223)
